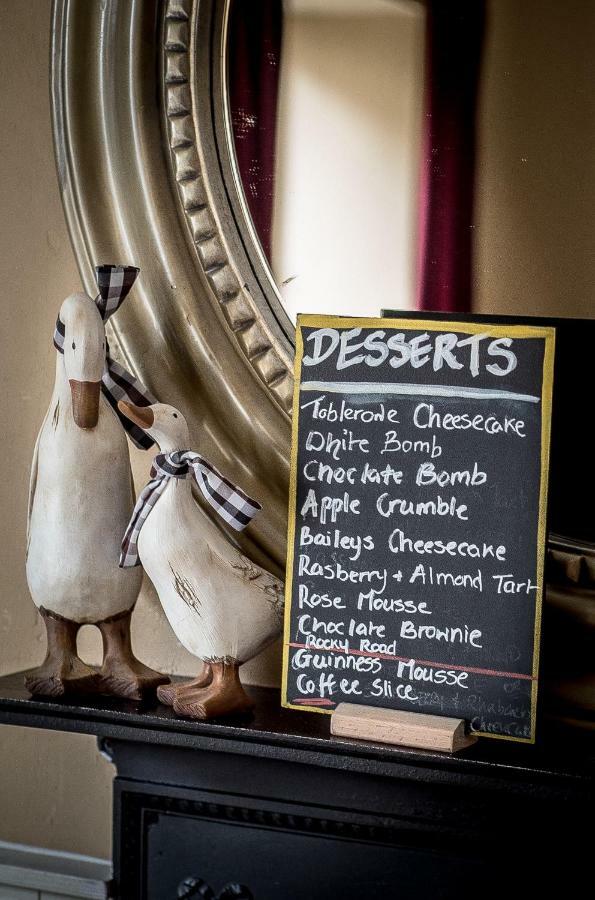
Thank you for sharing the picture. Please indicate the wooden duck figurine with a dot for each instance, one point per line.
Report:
(223, 609)
(81, 497)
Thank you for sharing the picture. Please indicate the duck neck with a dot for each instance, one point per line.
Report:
(171, 446)
(183, 485)
(61, 385)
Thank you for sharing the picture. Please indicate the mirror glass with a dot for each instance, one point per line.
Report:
(399, 153)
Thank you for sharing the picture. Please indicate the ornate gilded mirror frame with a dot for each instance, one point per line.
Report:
(148, 178)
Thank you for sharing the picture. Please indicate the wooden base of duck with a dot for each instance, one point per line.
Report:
(395, 726)
(62, 672)
(216, 692)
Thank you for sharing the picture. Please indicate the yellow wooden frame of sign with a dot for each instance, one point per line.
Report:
(518, 332)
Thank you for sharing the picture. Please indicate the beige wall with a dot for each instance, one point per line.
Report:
(535, 216)
(54, 788)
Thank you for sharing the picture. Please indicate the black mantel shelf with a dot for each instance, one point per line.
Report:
(277, 733)
(215, 802)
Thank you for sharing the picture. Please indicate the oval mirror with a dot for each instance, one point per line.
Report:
(399, 153)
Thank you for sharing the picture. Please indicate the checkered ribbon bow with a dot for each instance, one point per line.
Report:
(114, 283)
(231, 503)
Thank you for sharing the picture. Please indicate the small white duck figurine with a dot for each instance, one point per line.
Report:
(223, 608)
(81, 497)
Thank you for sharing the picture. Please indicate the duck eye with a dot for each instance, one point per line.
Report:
(73, 346)
(175, 415)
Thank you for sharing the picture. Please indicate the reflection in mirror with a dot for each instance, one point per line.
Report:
(399, 153)
(348, 145)
(340, 234)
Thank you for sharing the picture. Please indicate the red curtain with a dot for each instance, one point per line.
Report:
(255, 31)
(454, 43)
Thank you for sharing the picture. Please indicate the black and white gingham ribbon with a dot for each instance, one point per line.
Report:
(114, 283)
(232, 504)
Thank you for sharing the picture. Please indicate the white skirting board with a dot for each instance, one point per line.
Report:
(33, 873)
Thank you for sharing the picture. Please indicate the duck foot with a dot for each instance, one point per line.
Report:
(225, 695)
(169, 693)
(122, 674)
(69, 677)
(62, 672)
(129, 680)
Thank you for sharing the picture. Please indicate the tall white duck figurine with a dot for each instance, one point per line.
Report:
(81, 497)
(222, 608)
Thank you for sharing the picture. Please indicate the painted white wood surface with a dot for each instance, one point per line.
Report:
(81, 495)
(35, 872)
(219, 604)
(10, 892)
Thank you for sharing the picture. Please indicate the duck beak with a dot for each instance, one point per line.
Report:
(85, 402)
(143, 416)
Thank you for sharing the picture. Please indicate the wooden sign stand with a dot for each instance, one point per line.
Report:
(395, 726)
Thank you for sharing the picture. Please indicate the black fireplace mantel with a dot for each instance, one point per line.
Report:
(282, 734)
(222, 800)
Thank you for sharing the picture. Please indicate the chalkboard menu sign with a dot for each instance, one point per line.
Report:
(417, 518)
